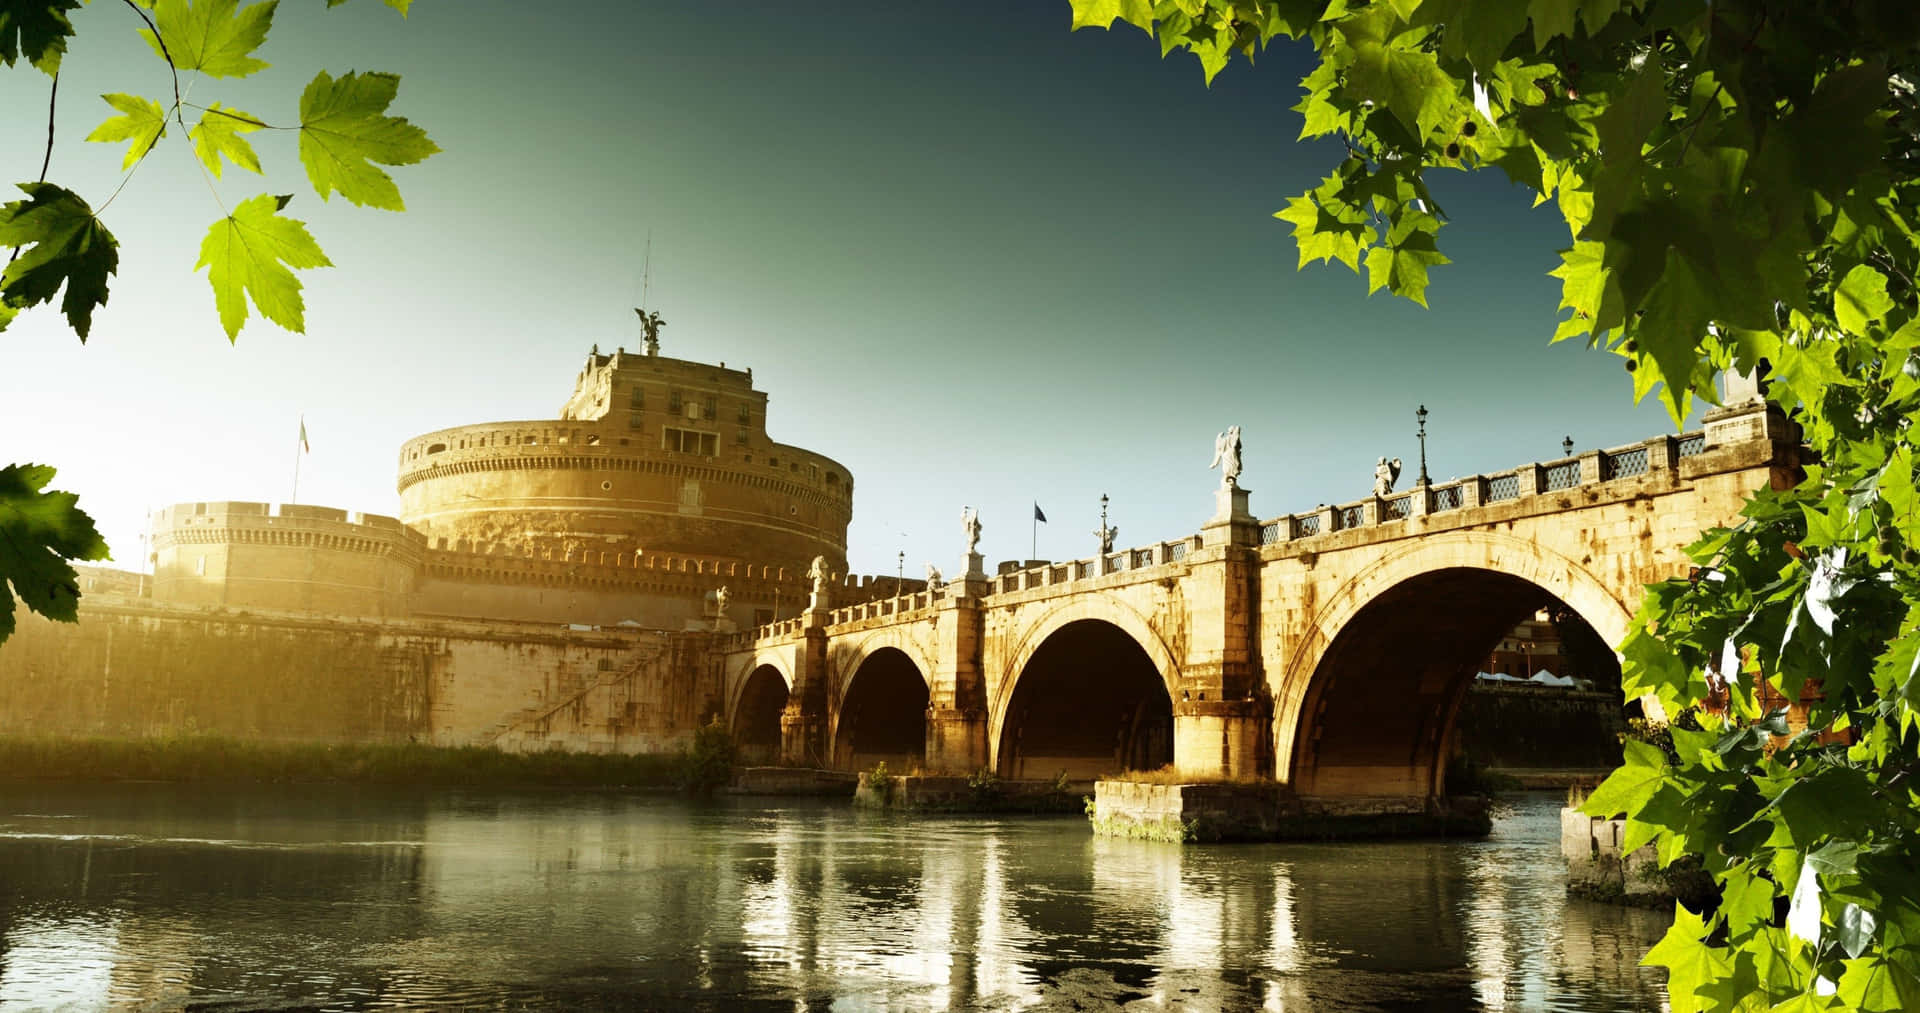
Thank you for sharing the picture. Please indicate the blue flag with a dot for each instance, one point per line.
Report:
(1037, 515)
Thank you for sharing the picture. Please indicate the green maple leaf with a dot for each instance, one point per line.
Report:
(218, 133)
(1403, 268)
(249, 253)
(1874, 984)
(1628, 788)
(39, 532)
(142, 121)
(1322, 235)
(70, 247)
(1408, 81)
(1677, 310)
(1551, 18)
(1689, 961)
(1103, 13)
(214, 37)
(36, 29)
(343, 132)
(1861, 299)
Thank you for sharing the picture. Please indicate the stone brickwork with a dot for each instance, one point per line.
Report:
(135, 668)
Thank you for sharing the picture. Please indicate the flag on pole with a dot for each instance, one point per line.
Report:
(303, 435)
(1037, 515)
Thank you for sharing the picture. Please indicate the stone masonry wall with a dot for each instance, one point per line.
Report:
(135, 669)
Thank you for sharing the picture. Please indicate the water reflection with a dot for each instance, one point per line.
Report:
(169, 896)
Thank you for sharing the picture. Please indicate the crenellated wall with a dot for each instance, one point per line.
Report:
(306, 558)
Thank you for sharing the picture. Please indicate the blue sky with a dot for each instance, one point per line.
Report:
(977, 258)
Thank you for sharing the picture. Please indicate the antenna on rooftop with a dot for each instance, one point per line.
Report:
(646, 269)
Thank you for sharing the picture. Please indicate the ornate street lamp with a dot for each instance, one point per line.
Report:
(1566, 447)
(1421, 414)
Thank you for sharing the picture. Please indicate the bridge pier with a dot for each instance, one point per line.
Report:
(803, 725)
(956, 738)
(1218, 738)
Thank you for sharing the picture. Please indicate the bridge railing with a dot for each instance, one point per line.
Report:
(1593, 466)
(1051, 574)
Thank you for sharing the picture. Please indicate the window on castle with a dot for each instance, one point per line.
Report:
(636, 399)
(746, 414)
(200, 567)
(713, 408)
(634, 420)
(673, 403)
(687, 441)
(740, 436)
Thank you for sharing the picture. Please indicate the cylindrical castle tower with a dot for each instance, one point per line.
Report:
(650, 455)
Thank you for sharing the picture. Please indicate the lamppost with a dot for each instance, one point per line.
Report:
(1105, 534)
(900, 574)
(1421, 414)
(1566, 447)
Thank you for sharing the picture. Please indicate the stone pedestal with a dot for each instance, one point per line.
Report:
(956, 739)
(976, 567)
(1230, 503)
(1216, 739)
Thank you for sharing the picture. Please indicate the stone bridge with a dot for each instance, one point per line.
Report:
(1329, 650)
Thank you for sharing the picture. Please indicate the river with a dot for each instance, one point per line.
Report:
(172, 896)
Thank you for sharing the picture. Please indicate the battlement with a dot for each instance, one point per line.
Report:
(290, 523)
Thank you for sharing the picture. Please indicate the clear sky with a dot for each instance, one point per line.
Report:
(975, 257)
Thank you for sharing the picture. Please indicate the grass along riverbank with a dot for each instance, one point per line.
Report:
(215, 759)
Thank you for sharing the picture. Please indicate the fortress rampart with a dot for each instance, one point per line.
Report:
(306, 558)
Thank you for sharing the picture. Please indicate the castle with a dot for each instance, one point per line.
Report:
(656, 487)
(558, 583)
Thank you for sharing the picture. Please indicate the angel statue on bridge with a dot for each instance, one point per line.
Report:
(818, 573)
(1384, 475)
(970, 523)
(1226, 456)
(934, 581)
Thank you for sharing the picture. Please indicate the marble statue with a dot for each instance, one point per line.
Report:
(1226, 456)
(1384, 475)
(970, 523)
(720, 602)
(1106, 536)
(819, 575)
(934, 581)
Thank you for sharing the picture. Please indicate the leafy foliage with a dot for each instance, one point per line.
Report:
(58, 241)
(1739, 185)
(141, 120)
(70, 247)
(342, 133)
(39, 532)
(214, 37)
(248, 253)
(217, 137)
(37, 30)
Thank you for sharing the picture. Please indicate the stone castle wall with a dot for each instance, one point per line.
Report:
(306, 558)
(133, 668)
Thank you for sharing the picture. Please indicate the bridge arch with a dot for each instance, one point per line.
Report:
(1367, 700)
(879, 712)
(1087, 690)
(754, 718)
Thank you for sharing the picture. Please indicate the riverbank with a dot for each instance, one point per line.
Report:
(216, 759)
